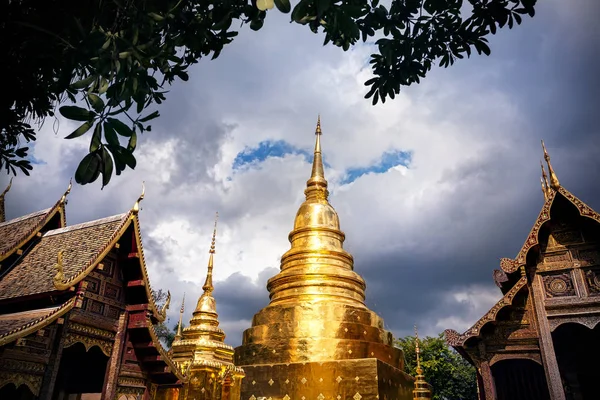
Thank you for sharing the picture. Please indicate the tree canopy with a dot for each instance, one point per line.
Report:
(451, 377)
(116, 58)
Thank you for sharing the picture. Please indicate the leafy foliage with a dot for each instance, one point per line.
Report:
(115, 58)
(451, 377)
(167, 335)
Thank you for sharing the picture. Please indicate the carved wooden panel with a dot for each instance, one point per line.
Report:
(96, 307)
(592, 280)
(568, 237)
(589, 257)
(93, 285)
(559, 285)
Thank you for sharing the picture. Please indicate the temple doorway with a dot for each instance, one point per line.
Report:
(80, 372)
(10, 391)
(520, 379)
(577, 351)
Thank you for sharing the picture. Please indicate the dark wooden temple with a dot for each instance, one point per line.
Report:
(541, 340)
(77, 312)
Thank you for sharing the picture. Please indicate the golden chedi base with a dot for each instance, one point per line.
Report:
(367, 378)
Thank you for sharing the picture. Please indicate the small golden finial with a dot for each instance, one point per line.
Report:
(59, 278)
(208, 284)
(136, 206)
(178, 335)
(418, 351)
(7, 188)
(554, 184)
(545, 184)
(63, 199)
(318, 130)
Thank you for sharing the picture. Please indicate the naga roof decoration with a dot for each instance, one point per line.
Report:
(16, 232)
(455, 339)
(17, 325)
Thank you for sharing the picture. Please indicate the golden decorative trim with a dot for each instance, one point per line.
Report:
(88, 342)
(455, 339)
(90, 330)
(33, 382)
(37, 324)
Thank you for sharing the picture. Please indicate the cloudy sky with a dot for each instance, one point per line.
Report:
(431, 188)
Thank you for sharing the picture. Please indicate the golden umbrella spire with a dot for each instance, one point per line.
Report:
(554, 184)
(421, 390)
(208, 284)
(316, 186)
(181, 310)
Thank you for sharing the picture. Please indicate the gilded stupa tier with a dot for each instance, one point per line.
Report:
(199, 349)
(317, 319)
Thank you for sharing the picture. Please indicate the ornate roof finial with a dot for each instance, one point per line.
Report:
(554, 184)
(421, 390)
(208, 285)
(2, 211)
(316, 186)
(178, 335)
(544, 179)
(136, 206)
(63, 199)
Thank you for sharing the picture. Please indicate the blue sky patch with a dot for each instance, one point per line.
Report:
(388, 160)
(266, 149)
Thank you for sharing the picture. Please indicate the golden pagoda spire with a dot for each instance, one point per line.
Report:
(554, 184)
(200, 346)
(178, 335)
(316, 186)
(208, 284)
(2, 210)
(421, 390)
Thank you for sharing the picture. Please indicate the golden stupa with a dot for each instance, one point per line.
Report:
(201, 354)
(317, 339)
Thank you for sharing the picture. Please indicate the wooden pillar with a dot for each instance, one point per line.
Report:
(114, 362)
(489, 387)
(480, 391)
(58, 342)
(546, 346)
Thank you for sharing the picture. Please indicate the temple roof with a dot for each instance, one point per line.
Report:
(83, 245)
(16, 325)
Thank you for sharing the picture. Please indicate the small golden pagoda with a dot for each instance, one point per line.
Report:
(421, 390)
(199, 350)
(317, 339)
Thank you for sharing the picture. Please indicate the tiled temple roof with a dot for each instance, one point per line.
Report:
(82, 245)
(18, 231)
(16, 325)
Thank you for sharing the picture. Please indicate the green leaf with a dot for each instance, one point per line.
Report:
(97, 102)
(76, 113)
(110, 134)
(284, 5)
(120, 127)
(88, 169)
(83, 83)
(132, 142)
(256, 24)
(108, 167)
(150, 117)
(80, 131)
(96, 138)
